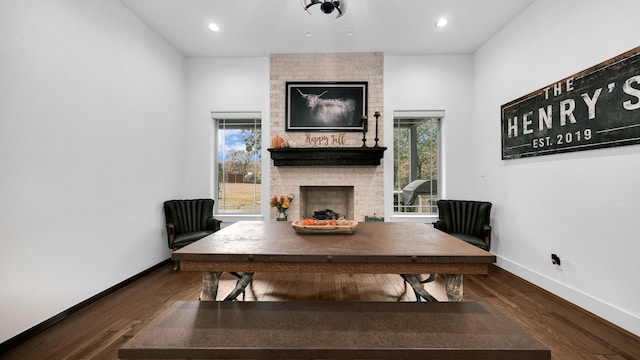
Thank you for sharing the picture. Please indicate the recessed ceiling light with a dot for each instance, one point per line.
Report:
(442, 22)
(214, 27)
(349, 33)
(308, 34)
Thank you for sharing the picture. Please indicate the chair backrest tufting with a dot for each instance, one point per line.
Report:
(464, 216)
(188, 215)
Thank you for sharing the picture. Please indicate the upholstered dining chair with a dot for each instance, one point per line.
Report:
(467, 220)
(188, 221)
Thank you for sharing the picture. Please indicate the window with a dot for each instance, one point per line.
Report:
(416, 163)
(238, 158)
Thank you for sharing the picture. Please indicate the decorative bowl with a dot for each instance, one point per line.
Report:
(341, 227)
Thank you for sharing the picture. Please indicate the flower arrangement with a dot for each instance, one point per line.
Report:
(282, 202)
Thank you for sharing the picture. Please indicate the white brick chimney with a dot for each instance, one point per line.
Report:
(367, 181)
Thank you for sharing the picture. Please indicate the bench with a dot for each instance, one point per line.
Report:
(332, 330)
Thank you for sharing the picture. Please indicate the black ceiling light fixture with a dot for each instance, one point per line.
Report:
(327, 6)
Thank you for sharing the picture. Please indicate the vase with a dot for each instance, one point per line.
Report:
(281, 215)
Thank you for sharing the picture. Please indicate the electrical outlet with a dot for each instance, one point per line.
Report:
(555, 259)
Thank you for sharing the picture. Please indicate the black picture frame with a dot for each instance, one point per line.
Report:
(325, 106)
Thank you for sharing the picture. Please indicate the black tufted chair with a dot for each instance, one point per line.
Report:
(467, 220)
(188, 221)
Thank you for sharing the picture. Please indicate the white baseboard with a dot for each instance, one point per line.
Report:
(596, 306)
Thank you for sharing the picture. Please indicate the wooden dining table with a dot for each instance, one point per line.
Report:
(407, 249)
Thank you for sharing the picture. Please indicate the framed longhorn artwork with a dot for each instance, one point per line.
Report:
(325, 106)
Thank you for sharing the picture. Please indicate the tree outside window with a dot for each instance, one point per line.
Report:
(238, 160)
(416, 159)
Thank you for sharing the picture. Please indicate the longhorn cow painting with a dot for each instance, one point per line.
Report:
(325, 106)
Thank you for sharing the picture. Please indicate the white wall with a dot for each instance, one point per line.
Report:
(89, 97)
(221, 84)
(434, 82)
(582, 206)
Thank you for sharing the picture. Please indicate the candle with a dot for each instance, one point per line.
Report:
(377, 113)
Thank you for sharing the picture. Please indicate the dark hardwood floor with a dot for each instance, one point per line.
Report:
(98, 330)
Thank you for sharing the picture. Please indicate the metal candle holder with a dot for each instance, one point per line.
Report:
(377, 115)
(365, 128)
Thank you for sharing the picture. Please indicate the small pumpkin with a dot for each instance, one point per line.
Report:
(277, 142)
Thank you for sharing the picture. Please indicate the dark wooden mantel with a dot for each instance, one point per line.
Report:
(327, 156)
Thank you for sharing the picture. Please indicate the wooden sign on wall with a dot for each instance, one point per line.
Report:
(596, 108)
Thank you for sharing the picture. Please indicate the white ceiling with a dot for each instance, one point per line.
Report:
(262, 27)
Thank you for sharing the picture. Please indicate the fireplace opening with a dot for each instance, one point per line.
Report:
(317, 199)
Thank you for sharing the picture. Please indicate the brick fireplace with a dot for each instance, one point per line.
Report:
(344, 190)
(361, 187)
(335, 198)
